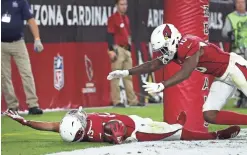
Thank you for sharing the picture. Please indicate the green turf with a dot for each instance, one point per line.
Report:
(21, 140)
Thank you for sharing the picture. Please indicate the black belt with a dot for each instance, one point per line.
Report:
(126, 47)
(10, 40)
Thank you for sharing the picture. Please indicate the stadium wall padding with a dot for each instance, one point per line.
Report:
(190, 17)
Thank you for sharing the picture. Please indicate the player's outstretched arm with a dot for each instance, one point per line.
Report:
(38, 125)
(188, 67)
(44, 126)
(186, 70)
(147, 67)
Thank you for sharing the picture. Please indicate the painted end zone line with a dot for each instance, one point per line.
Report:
(236, 146)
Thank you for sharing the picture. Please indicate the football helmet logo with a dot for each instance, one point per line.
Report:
(165, 39)
(167, 32)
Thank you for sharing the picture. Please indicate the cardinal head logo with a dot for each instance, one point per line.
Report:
(167, 32)
(89, 68)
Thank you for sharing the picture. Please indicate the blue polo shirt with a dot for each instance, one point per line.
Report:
(15, 12)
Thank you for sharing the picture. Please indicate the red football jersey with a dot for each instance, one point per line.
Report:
(213, 61)
(139, 126)
(96, 121)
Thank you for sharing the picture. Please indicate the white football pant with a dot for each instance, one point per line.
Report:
(224, 87)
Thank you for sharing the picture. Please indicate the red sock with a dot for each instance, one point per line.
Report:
(195, 135)
(230, 118)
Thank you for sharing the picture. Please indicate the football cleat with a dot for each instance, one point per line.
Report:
(230, 132)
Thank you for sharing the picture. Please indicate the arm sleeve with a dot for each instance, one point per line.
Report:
(26, 11)
(110, 33)
(227, 29)
(110, 41)
(111, 25)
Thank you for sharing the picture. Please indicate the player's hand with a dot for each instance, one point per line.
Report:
(38, 47)
(117, 74)
(130, 140)
(117, 132)
(112, 55)
(15, 116)
(153, 87)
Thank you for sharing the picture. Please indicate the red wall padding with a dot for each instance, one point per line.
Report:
(75, 77)
(188, 17)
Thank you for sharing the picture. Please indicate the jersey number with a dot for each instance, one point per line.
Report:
(183, 41)
(90, 133)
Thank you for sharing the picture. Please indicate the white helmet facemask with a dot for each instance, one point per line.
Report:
(73, 125)
(165, 39)
(165, 59)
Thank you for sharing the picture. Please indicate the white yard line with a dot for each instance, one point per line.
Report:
(236, 146)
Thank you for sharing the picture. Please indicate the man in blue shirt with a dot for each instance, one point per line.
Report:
(13, 13)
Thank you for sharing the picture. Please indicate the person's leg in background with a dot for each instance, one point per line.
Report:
(115, 89)
(244, 102)
(241, 100)
(21, 57)
(7, 86)
(128, 84)
(239, 95)
(239, 78)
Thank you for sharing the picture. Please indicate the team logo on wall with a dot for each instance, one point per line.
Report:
(89, 68)
(58, 72)
(90, 88)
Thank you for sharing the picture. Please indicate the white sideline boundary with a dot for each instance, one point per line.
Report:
(25, 112)
(236, 146)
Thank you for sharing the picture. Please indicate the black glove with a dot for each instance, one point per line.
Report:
(230, 35)
(129, 48)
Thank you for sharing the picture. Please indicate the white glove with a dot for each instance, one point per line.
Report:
(38, 47)
(153, 87)
(117, 74)
(15, 116)
(130, 140)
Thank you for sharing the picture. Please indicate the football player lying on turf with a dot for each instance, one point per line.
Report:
(116, 128)
(229, 70)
